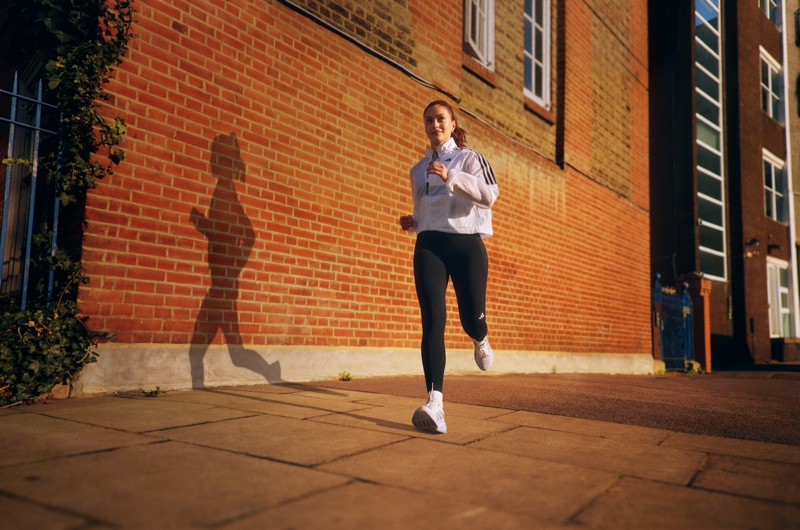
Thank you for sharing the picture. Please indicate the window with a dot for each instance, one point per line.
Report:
(774, 188)
(771, 86)
(772, 9)
(479, 31)
(780, 314)
(709, 140)
(537, 51)
(31, 203)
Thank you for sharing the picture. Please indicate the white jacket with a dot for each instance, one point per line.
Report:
(462, 204)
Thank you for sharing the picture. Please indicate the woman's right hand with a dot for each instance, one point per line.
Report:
(407, 222)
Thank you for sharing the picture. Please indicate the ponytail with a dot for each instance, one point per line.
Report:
(460, 136)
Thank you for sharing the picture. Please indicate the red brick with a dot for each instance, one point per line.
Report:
(327, 135)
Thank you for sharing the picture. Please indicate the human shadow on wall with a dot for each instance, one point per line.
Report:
(230, 240)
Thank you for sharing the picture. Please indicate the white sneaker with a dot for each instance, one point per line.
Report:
(484, 356)
(430, 417)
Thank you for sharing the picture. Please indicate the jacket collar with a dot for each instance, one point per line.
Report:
(446, 147)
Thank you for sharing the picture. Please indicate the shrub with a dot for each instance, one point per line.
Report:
(78, 42)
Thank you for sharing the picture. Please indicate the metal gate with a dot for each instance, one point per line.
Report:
(30, 204)
(673, 321)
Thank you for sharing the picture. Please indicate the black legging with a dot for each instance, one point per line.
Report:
(439, 256)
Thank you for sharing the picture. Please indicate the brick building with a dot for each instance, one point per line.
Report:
(791, 23)
(723, 205)
(253, 225)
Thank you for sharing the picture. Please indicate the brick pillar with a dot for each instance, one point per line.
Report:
(700, 288)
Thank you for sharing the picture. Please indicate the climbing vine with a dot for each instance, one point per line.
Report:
(83, 41)
(79, 43)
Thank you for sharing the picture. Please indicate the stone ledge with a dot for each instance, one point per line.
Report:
(121, 368)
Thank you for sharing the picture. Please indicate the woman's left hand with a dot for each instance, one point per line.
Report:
(407, 222)
(437, 168)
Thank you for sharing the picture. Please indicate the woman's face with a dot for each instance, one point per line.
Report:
(439, 125)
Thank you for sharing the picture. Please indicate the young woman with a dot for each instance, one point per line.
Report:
(453, 188)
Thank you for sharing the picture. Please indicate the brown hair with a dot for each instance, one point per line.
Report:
(459, 134)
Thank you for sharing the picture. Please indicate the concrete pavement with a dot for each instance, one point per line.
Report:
(327, 456)
(757, 404)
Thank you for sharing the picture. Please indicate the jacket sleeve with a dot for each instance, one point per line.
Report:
(474, 181)
(414, 215)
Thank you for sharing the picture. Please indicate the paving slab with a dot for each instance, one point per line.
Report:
(760, 479)
(164, 485)
(760, 404)
(34, 437)
(729, 446)
(301, 442)
(542, 492)
(286, 388)
(465, 424)
(677, 466)
(145, 414)
(361, 505)
(450, 409)
(296, 456)
(603, 429)
(340, 393)
(27, 514)
(289, 404)
(46, 407)
(636, 503)
(379, 418)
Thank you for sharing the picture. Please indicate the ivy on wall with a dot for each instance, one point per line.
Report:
(82, 41)
(79, 43)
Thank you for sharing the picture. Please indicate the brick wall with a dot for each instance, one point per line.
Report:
(793, 91)
(295, 241)
(755, 131)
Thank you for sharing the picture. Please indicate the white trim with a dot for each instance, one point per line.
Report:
(773, 159)
(776, 72)
(706, 22)
(481, 52)
(774, 291)
(794, 291)
(715, 53)
(764, 54)
(768, 10)
(716, 78)
(781, 189)
(545, 98)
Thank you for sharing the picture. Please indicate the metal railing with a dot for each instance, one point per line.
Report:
(24, 214)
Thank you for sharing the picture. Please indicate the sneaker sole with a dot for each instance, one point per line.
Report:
(424, 422)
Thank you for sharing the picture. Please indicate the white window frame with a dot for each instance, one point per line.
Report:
(779, 297)
(479, 31)
(772, 10)
(710, 173)
(771, 90)
(537, 57)
(776, 190)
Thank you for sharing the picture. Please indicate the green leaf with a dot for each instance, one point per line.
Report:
(117, 156)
